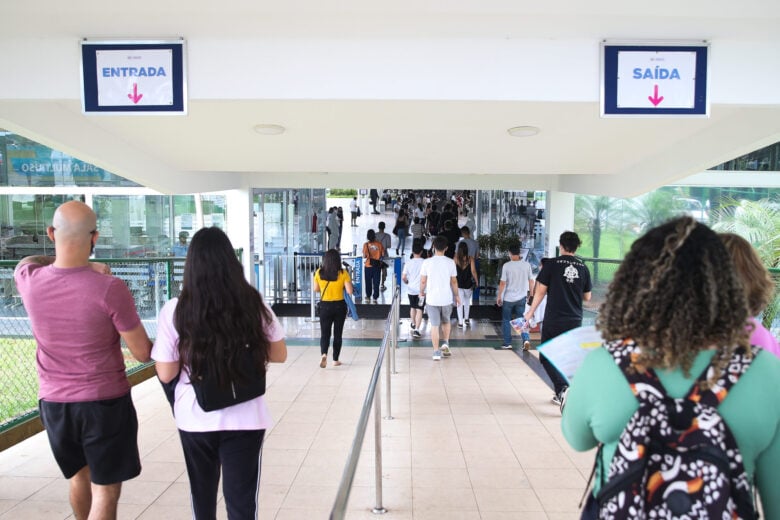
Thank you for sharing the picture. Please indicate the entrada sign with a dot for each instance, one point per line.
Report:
(654, 80)
(133, 77)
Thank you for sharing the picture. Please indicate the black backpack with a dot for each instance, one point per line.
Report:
(676, 458)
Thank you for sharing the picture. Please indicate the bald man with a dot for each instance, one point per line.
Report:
(78, 313)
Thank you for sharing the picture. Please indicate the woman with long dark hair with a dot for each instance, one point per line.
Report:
(207, 333)
(401, 230)
(331, 280)
(676, 318)
(467, 281)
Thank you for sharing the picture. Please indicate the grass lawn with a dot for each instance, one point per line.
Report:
(19, 378)
(614, 245)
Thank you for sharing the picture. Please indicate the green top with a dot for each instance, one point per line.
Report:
(600, 403)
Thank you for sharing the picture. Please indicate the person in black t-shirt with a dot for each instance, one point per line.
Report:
(566, 282)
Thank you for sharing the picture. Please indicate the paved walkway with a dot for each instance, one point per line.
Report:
(473, 437)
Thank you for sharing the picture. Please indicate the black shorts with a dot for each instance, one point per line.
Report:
(100, 434)
(414, 301)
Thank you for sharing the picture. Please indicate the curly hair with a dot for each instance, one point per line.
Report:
(758, 283)
(676, 293)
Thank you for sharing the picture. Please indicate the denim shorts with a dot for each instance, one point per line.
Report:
(438, 314)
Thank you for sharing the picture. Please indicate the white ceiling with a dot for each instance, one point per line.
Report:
(418, 93)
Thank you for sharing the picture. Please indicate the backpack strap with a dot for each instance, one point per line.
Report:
(729, 376)
(642, 380)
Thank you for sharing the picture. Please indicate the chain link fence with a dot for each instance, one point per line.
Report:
(152, 282)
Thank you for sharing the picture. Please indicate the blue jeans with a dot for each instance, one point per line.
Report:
(402, 234)
(371, 279)
(510, 310)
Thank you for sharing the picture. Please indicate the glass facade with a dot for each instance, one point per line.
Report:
(765, 159)
(608, 226)
(130, 225)
(25, 163)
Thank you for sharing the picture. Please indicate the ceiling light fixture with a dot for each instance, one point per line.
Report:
(523, 131)
(269, 129)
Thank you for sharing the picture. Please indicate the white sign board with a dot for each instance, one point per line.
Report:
(134, 77)
(656, 79)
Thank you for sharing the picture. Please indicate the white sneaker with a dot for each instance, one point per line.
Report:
(562, 397)
(507, 347)
(526, 346)
(437, 355)
(445, 350)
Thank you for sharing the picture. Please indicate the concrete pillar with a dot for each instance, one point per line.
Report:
(559, 216)
(240, 228)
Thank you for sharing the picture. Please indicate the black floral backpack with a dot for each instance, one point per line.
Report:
(676, 458)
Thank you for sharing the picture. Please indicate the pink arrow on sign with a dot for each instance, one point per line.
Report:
(655, 99)
(135, 97)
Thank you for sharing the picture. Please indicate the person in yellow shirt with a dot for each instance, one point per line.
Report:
(330, 280)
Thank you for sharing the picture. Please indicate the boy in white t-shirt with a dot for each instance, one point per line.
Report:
(411, 276)
(439, 287)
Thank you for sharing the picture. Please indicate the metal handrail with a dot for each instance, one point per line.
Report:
(348, 476)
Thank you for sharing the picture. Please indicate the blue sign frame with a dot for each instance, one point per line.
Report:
(89, 80)
(609, 90)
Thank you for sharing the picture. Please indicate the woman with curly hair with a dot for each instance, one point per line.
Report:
(676, 306)
(758, 284)
(207, 332)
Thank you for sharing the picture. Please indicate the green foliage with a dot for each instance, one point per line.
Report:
(494, 246)
(593, 213)
(497, 244)
(653, 208)
(758, 222)
(342, 193)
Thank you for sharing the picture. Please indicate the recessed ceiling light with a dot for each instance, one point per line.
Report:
(523, 131)
(269, 129)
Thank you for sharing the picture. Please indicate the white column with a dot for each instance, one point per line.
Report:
(559, 216)
(240, 228)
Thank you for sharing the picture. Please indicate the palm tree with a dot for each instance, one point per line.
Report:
(653, 208)
(758, 222)
(592, 212)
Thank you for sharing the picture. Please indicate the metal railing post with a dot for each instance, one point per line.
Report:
(393, 335)
(390, 352)
(313, 318)
(378, 509)
(339, 508)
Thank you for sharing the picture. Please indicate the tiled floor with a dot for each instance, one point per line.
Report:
(473, 437)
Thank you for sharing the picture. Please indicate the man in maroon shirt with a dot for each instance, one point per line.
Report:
(78, 313)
